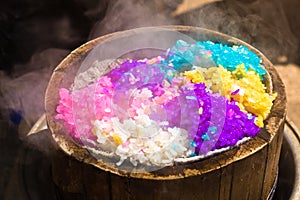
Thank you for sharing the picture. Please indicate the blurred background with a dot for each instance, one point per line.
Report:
(36, 35)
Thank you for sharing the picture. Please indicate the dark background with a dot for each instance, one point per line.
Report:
(28, 26)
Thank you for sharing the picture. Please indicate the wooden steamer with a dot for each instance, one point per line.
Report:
(248, 171)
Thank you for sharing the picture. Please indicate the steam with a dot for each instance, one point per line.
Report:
(260, 23)
(124, 15)
(25, 93)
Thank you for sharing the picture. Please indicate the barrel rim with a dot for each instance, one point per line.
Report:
(272, 123)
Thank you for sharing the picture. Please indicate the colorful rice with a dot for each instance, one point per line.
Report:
(193, 100)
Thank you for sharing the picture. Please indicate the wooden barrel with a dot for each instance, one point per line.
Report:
(248, 171)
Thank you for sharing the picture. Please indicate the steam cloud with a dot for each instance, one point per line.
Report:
(260, 23)
(25, 94)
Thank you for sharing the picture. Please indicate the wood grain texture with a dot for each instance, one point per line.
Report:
(95, 183)
(272, 162)
(226, 182)
(249, 175)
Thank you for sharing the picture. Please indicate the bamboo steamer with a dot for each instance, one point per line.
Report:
(248, 171)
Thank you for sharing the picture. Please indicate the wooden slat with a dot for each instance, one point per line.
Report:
(96, 183)
(67, 173)
(156, 189)
(225, 182)
(204, 186)
(272, 162)
(248, 177)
